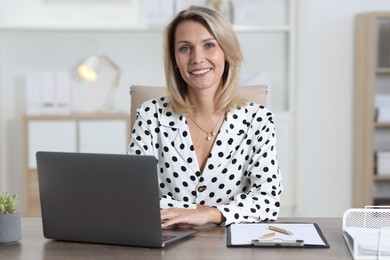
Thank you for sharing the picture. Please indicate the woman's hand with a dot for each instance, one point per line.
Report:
(187, 218)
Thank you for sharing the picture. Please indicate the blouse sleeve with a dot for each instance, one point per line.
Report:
(261, 201)
(141, 142)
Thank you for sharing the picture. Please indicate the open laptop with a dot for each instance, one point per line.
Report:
(102, 198)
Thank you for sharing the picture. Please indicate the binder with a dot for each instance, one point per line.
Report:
(301, 235)
(48, 93)
(62, 97)
(33, 94)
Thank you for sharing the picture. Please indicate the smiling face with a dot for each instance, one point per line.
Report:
(199, 57)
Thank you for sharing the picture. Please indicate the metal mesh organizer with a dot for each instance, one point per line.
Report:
(367, 232)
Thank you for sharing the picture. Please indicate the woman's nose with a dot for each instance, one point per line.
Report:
(197, 56)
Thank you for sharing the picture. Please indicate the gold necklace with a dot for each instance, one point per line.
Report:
(210, 133)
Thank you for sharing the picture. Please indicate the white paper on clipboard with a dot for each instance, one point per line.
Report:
(243, 234)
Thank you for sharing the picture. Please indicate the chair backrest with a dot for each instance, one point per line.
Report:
(139, 94)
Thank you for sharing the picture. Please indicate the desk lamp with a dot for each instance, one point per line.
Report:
(89, 69)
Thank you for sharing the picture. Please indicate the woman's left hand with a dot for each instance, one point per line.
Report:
(187, 218)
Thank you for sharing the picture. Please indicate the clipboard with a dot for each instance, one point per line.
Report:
(303, 235)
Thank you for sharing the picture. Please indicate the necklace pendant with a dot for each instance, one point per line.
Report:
(208, 136)
(213, 133)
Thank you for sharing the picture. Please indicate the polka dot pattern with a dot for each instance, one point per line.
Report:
(241, 177)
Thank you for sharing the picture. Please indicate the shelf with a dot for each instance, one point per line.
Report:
(79, 116)
(382, 177)
(382, 125)
(263, 29)
(239, 29)
(112, 29)
(383, 70)
(382, 201)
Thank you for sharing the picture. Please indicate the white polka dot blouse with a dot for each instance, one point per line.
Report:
(241, 176)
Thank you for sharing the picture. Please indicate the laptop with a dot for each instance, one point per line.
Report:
(102, 198)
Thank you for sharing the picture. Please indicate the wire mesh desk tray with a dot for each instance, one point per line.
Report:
(367, 232)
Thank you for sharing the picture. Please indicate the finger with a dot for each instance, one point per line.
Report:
(171, 222)
(164, 214)
(166, 225)
(169, 227)
(184, 226)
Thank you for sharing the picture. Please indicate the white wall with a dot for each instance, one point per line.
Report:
(324, 102)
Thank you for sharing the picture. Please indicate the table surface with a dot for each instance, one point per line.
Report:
(208, 243)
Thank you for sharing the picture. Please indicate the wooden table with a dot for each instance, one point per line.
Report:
(208, 243)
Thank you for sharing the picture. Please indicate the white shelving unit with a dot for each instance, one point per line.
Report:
(370, 136)
(269, 51)
(88, 133)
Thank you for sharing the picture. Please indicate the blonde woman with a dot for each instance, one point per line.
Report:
(216, 151)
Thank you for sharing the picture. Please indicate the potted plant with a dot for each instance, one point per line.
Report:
(10, 222)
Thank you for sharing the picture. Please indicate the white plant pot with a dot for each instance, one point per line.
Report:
(10, 228)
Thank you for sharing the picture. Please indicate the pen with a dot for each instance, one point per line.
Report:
(280, 230)
(269, 235)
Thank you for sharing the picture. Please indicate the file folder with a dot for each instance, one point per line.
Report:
(301, 235)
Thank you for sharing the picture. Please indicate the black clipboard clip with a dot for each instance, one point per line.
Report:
(277, 242)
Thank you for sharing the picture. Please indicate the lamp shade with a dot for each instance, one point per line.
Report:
(89, 70)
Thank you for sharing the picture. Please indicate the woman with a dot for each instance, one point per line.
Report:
(216, 151)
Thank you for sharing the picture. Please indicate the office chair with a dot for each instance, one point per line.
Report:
(139, 94)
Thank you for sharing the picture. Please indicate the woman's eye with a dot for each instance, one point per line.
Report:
(184, 49)
(209, 45)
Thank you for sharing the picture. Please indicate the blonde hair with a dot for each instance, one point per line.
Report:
(228, 97)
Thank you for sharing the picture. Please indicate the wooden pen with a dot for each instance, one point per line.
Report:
(269, 235)
(280, 230)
